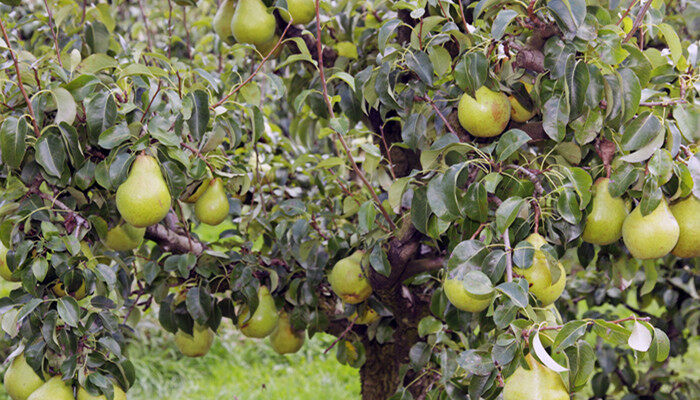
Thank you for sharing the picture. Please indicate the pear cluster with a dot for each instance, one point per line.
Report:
(22, 383)
(667, 229)
(541, 274)
(251, 22)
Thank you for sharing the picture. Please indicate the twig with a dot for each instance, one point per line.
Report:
(478, 230)
(257, 70)
(145, 112)
(53, 33)
(530, 175)
(626, 13)
(149, 35)
(349, 327)
(340, 137)
(388, 153)
(527, 332)
(509, 257)
(637, 21)
(198, 154)
(317, 228)
(442, 117)
(19, 80)
(461, 14)
(662, 103)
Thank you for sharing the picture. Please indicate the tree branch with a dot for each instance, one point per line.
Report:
(172, 241)
(637, 21)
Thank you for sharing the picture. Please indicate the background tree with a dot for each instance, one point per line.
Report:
(357, 137)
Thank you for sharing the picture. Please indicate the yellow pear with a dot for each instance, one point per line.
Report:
(348, 281)
(252, 23)
(653, 235)
(302, 11)
(212, 207)
(539, 275)
(4, 269)
(518, 113)
(264, 319)
(284, 339)
(54, 389)
(20, 379)
(143, 199)
(197, 344)
(367, 317)
(486, 115)
(60, 291)
(222, 21)
(687, 213)
(537, 383)
(460, 298)
(85, 395)
(124, 237)
(604, 222)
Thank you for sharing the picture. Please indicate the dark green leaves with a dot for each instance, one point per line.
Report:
(419, 62)
(510, 142)
(501, 22)
(100, 113)
(50, 153)
(68, 310)
(569, 14)
(199, 118)
(555, 117)
(471, 72)
(13, 133)
(379, 261)
(507, 211)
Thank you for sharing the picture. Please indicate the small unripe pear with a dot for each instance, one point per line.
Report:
(264, 319)
(85, 395)
(20, 379)
(486, 115)
(653, 235)
(302, 11)
(348, 281)
(604, 222)
(212, 207)
(60, 291)
(54, 389)
(144, 199)
(687, 214)
(459, 297)
(284, 339)
(222, 21)
(252, 23)
(124, 237)
(537, 383)
(4, 269)
(539, 275)
(197, 344)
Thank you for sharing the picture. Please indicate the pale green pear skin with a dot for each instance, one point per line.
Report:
(144, 199)
(212, 206)
(85, 395)
(4, 269)
(539, 275)
(124, 237)
(538, 383)
(460, 298)
(54, 389)
(486, 115)
(20, 379)
(687, 214)
(302, 11)
(348, 281)
(653, 235)
(222, 21)
(264, 319)
(252, 23)
(284, 339)
(604, 222)
(197, 344)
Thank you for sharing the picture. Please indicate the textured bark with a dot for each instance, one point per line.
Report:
(402, 160)
(172, 241)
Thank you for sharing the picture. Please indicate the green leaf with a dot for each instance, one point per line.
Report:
(114, 136)
(672, 40)
(68, 310)
(13, 134)
(475, 202)
(507, 211)
(569, 14)
(477, 284)
(577, 81)
(379, 261)
(420, 209)
(631, 92)
(622, 178)
(50, 153)
(471, 72)
(569, 335)
(385, 31)
(523, 254)
(73, 145)
(100, 113)
(501, 22)
(200, 113)
(556, 117)
(568, 206)
(582, 360)
(419, 62)
(413, 130)
(660, 346)
(510, 142)
(428, 326)
(515, 292)
(65, 106)
(96, 63)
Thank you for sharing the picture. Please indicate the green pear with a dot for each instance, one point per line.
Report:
(252, 23)
(124, 237)
(266, 48)
(460, 298)
(537, 383)
(222, 21)
(85, 395)
(366, 318)
(302, 11)
(197, 344)
(604, 222)
(284, 339)
(539, 275)
(54, 389)
(4, 269)
(212, 207)
(348, 281)
(486, 115)
(20, 379)
(60, 291)
(264, 319)
(143, 199)
(653, 235)
(687, 213)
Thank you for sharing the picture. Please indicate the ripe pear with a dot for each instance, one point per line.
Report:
(4, 269)
(284, 339)
(687, 213)
(212, 207)
(54, 389)
(124, 237)
(222, 21)
(348, 281)
(20, 379)
(143, 199)
(460, 298)
(264, 319)
(252, 23)
(197, 344)
(302, 11)
(538, 383)
(85, 395)
(539, 275)
(518, 113)
(60, 291)
(486, 115)
(367, 317)
(604, 222)
(653, 235)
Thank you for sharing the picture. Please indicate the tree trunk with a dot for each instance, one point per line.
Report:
(380, 373)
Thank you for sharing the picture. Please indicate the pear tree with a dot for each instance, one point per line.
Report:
(478, 199)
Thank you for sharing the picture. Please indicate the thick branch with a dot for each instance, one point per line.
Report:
(172, 241)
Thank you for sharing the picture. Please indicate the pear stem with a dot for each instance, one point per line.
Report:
(342, 335)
